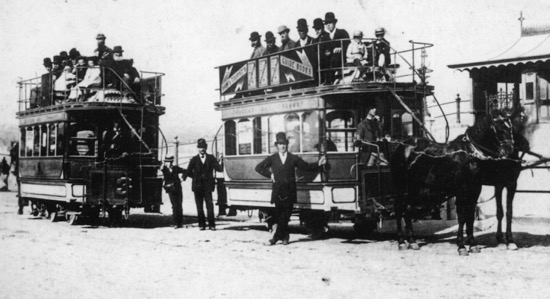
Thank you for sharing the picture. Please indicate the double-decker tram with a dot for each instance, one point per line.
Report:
(91, 153)
(284, 92)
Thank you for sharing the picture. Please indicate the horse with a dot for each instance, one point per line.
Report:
(427, 173)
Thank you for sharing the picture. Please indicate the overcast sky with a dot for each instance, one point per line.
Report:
(187, 39)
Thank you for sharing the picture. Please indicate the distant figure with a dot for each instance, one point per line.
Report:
(339, 46)
(201, 168)
(102, 52)
(172, 186)
(256, 43)
(304, 39)
(286, 42)
(281, 169)
(270, 48)
(5, 174)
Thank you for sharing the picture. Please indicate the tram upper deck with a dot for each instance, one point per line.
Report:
(303, 71)
(40, 94)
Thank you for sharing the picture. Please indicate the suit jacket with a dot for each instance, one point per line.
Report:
(284, 186)
(309, 41)
(203, 174)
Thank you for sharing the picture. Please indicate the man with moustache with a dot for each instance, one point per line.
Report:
(201, 168)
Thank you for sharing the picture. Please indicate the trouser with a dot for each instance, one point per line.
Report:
(176, 198)
(202, 197)
(283, 211)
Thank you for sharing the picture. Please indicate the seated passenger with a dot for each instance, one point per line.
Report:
(286, 42)
(356, 54)
(256, 43)
(271, 48)
(64, 83)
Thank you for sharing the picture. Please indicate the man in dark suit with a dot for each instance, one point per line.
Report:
(201, 169)
(281, 167)
(172, 186)
(304, 39)
(339, 47)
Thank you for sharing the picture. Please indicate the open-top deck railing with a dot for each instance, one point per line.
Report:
(39, 92)
(305, 67)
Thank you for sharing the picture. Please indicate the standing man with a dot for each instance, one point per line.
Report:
(103, 52)
(302, 32)
(256, 43)
(338, 47)
(172, 186)
(201, 169)
(286, 42)
(281, 168)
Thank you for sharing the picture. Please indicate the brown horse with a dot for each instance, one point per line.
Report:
(425, 173)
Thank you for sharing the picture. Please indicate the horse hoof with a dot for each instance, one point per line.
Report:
(463, 252)
(512, 246)
(414, 246)
(402, 246)
(475, 249)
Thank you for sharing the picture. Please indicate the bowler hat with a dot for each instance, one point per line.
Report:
(269, 37)
(329, 18)
(117, 49)
(254, 36)
(379, 31)
(280, 138)
(282, 29)
(100, 36)
(318, 24)
(169, 159)
(302, 24)
(47, 62)
(57, 59)
(201, 143)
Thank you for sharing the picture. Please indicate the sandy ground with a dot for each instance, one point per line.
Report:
(147, 258)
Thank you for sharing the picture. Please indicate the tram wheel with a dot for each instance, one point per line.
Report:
(72, 218)
(53, 216)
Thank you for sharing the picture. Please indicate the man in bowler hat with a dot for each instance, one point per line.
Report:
(256, 43)
(281, 168)
(201, 168)
(172, 186)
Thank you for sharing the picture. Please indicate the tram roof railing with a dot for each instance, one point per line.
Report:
(41, 92)
(305, 67)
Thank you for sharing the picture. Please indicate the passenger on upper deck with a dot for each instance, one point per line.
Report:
(286, 42)
(103, 52)
(338, 47)
(324, 49)
(302, 31)
(256, 43)
(270, 44)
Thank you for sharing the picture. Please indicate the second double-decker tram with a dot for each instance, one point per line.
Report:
(259, 100)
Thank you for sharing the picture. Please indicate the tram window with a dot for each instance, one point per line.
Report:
(230, 138)
(22, 148)
(29, 141)
(259, 136)
(340, 127)
(52, 141)
(44, 140)
(244, 137)
(36, 142)
(276, 125)
(407, 124)
(311, 131)
(292, 129)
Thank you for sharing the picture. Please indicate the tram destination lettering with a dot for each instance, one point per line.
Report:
(269, 108)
